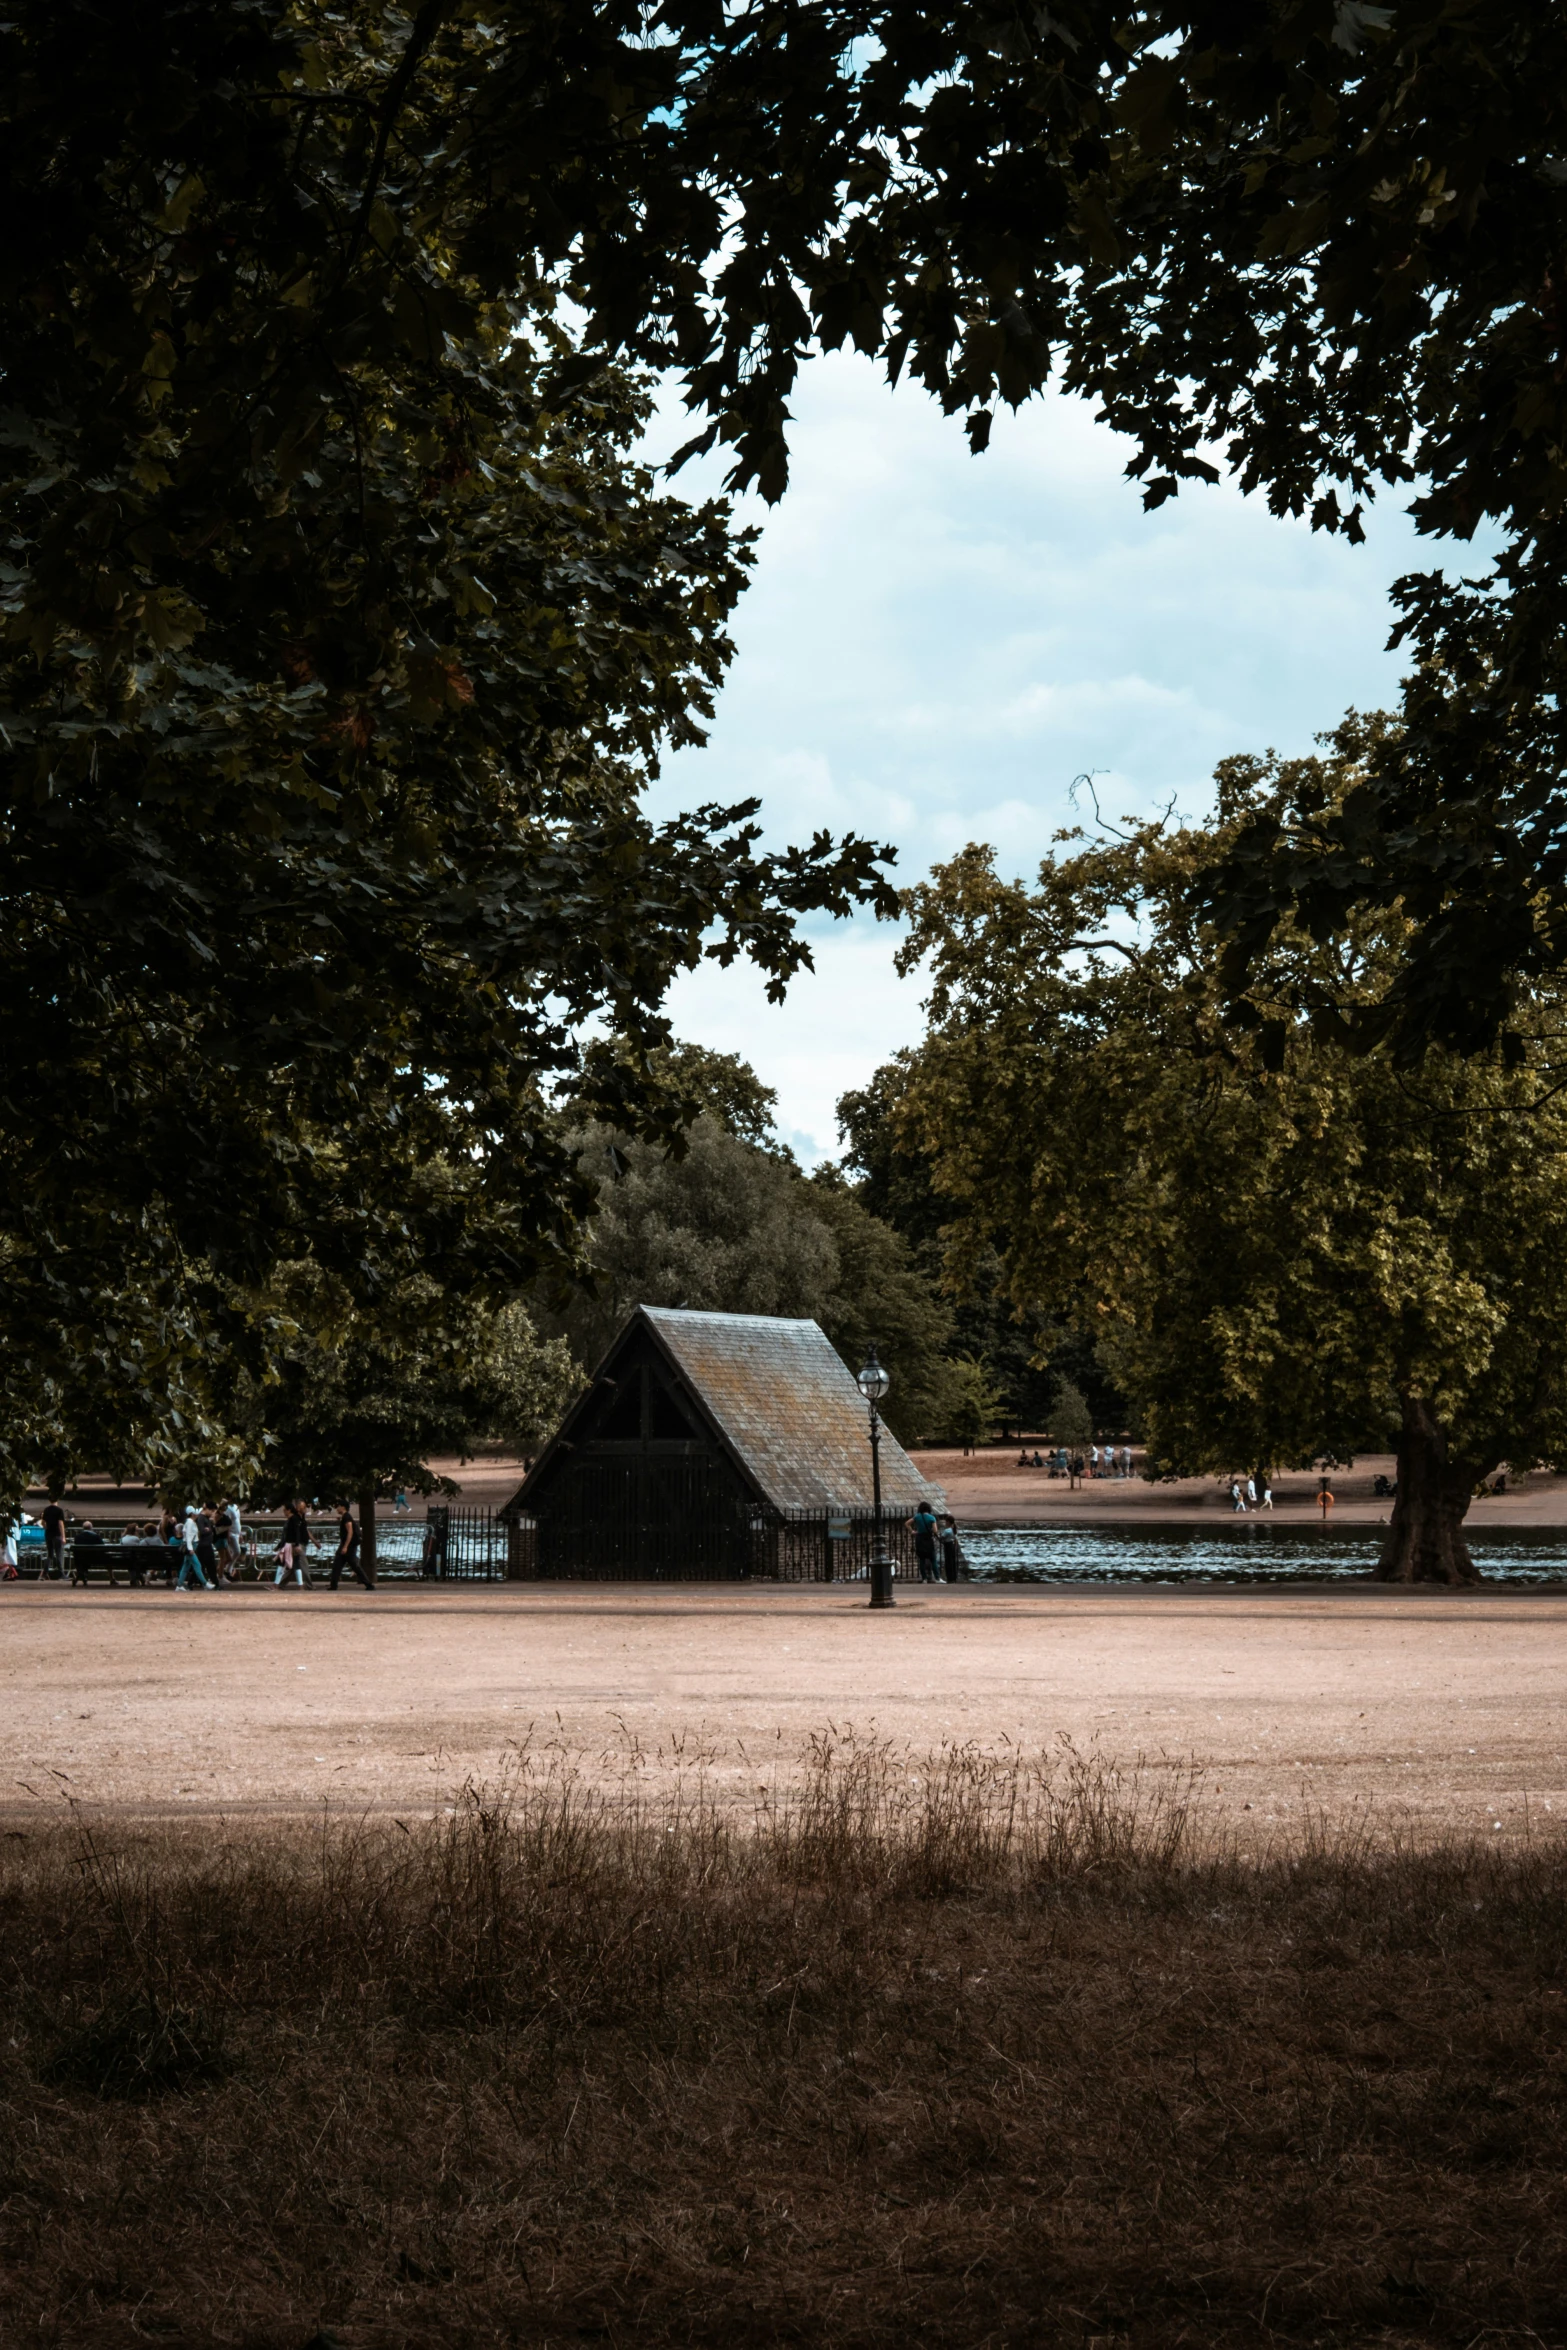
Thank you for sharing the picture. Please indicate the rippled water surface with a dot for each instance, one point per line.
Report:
(1244, 1554)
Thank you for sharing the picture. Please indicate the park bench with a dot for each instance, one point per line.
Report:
(134, 1563)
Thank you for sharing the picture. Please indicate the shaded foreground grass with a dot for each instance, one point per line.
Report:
(958, 2051)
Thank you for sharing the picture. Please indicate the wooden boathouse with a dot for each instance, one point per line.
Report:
(713, 1446)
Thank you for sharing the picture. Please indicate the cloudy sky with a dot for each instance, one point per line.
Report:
(934, 645)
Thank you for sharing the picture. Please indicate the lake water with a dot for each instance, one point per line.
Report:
(1236, 1554)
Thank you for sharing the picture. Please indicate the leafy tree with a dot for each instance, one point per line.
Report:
(723, 1228)
(1025, 1353)
(355, 1404)
(721, 1086)
(1315, 241)
(881, 1296)
(1292, 1249)
(978, 1404)
(727, 1224)
(339, 630)
(1071, 1421)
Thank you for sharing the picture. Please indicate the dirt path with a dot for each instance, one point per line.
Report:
(1451, 1708)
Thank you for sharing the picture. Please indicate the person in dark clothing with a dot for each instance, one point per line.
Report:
(294, 1554)
(347, 1552)
(87, 1538)
(951, 1551)
(207, 1545)
(924, 1525)
(53, 1519)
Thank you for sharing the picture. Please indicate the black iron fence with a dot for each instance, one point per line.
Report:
(467, 1546)
(766, 1546)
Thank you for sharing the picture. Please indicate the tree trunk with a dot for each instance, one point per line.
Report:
(367, 1530)
(1425, 1542)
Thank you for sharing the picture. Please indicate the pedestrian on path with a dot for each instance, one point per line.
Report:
(293, 1556)
(190, 1575)
(924, 1525)
(347, 1551)
(54, 1541)
(230, 1538)
(951, 1551)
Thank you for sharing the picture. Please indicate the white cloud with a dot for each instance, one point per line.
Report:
(935, 645)
(840, 1021)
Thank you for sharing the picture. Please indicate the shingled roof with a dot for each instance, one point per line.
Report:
(777, 1398)
(788, 1409)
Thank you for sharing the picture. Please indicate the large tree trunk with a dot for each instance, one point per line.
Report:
(1425, 1542)
(367, 1529)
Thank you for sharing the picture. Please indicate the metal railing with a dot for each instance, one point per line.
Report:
(765, 1546)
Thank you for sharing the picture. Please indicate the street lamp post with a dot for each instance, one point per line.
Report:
(873, 1384)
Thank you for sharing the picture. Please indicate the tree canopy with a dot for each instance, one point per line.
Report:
(341, 630)
(1290, 1250)
(341, 625)
(723, 1221)
(1314, 242)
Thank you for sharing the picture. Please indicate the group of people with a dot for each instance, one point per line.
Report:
(1255, 1494)
(938, 1554)
(1108, 1461)
(207, 1539)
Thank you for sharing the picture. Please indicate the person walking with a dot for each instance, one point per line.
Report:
(1251, 1493)
(1237, 1498)
(924, 1525)
(1267, 1492)
(347, 1551)
(207, 1543)
(190, 1575)
(10, 1571)
(293, 1556)
(230, 1537)
(54, 1541)
(951, 1551)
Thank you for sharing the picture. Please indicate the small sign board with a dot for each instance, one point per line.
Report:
(838, 1529)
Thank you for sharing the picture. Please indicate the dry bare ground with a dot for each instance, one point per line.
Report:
(959, 2050)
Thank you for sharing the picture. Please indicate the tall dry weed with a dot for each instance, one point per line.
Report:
(965, 2048)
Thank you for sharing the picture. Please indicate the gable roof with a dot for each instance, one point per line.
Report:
(782, 1403)
(788, 1408)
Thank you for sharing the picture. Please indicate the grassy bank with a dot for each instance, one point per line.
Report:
(953, 2053)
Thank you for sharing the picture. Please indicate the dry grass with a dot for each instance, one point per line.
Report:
(954, 2052)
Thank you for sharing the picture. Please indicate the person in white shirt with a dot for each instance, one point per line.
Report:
(190, 1564)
